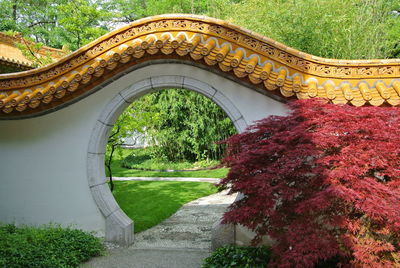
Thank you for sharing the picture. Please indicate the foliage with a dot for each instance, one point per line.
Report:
(8, 69)
(82, 21)
(58, 23)
(183, 126)
(162, 198)
(238, 257)
(47, 246)
(323, 182)
(328, 28)
(131, 10)
(345, 29)
(142, 159)
(133, 120)
(55, 22)
(393, 32)
(120, 171)
(30, 51)
(188, 125)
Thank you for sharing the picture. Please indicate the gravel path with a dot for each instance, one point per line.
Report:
(212, 180)
(181, 241)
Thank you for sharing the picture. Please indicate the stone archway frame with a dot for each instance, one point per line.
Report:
(118, 226)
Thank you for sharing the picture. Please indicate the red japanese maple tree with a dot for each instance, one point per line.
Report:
(323, 182)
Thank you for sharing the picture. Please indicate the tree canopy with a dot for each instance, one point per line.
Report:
(341, 29)
(187, 125)
(323, 182)
(328, 28)
(55, 23)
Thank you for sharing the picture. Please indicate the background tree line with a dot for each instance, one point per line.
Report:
(328, 28)
(184, 125)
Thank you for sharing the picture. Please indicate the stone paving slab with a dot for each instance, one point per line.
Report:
(197, 214)
(189, 227)
(150, 258)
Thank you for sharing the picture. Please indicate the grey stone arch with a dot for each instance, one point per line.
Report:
(118, 226)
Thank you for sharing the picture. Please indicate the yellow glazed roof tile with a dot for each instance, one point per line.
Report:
(243, 54)
(10, 53)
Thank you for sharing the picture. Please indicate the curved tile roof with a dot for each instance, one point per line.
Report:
(9, 53)
(239, 52)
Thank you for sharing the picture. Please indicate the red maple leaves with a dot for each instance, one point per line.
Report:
(323, 182)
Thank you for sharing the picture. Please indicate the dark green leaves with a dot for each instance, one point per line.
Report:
(48, 246)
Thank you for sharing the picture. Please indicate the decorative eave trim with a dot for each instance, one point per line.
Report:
(232, 49)
(14, 62)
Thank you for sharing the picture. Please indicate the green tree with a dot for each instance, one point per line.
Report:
(131, 10)
(133, 120)
(188, 126)
(329, 28)
(55, 22)
(83, 21)
(394, 32)
(345, 29)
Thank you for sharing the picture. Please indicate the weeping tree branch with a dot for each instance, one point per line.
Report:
(30, 50)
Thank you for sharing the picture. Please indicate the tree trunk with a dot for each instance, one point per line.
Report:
(108, 165)
(114, 144)
(14, 13)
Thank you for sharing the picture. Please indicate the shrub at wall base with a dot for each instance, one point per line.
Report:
(324, 182)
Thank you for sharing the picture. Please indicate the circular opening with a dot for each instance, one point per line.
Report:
(118, 225)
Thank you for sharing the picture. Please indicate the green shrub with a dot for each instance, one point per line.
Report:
(143, 158)
(46, 246)
(240, 257)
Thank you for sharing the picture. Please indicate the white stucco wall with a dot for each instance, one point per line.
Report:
(43, 160)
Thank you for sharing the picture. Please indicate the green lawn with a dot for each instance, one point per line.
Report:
(144, 162)
(148, 203)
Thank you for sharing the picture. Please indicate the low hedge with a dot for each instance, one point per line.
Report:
(46, 246)
(251, 257)
(238, 257)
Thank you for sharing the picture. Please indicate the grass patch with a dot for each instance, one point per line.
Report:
(148, 203)
(46, 246)
(144, 160)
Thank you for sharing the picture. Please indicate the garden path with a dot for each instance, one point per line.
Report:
(212, 180)
(183, 240)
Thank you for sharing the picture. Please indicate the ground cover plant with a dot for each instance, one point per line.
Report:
(46, 246)
(120, 171)
(324, 182)
(148, 203)
(232, 256)
(238, 257)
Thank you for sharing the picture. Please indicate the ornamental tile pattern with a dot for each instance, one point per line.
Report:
(243, 54)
